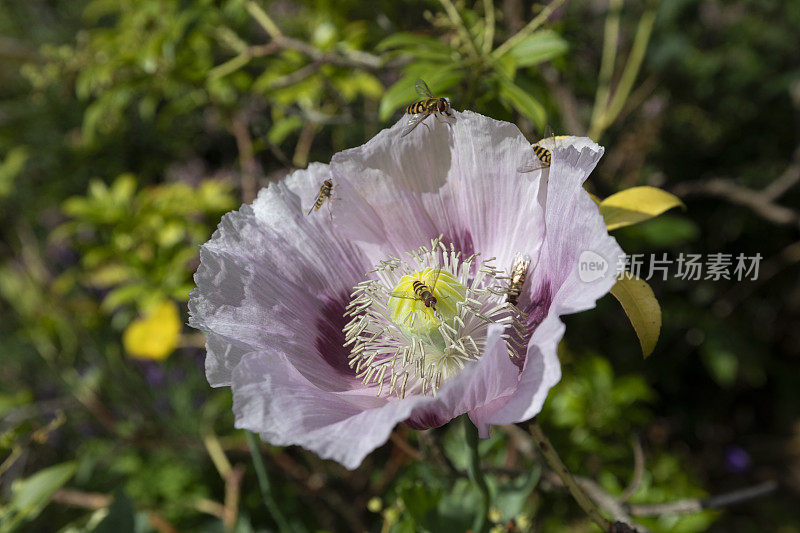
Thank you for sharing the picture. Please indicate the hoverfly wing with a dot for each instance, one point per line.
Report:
(413, 122)
(422, 88)
(314, 205)
(532, 165)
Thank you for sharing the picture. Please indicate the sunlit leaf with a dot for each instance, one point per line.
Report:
(641, 306)
(537, 48)
(522, 102)
(635, 205)
(156, 335)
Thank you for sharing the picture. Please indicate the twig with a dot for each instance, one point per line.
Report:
(296, 76)
(554, 461)
(233, 485)
(263, 484)
(638, 471)
(303, 146)
(532, 26)
(787, 180)
(610, 505)
(96, 500)
(430, 441)
(476, 474)
(358, 60)
(86, 500)
(407, 449)
(247, 161)
(727, 190)
(693, 505)
(217, 454)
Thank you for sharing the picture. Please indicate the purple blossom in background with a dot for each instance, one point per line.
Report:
(737, 460)
(316, 327)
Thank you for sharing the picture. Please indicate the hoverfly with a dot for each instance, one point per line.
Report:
(430, 105)
(519, 271)
(422, 292)
(543, 150)
(325, 191)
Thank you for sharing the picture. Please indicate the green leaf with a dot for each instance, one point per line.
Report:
(412, 41)
(522, 102)
(401, 93)
(640, 304)
(11, 166)
(31, 495)
(537, 48)
(635, 205)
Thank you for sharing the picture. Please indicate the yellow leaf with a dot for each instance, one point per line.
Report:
(635, 205)
(156, 335)
(641, 306)
(596, 199)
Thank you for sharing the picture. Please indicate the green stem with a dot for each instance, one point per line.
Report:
(263, 484)
(532, 26)
(488, 34)
(629, 73)
(554, 462)
(609, 58)
(476, 474)
(458, 23)
(634, 64)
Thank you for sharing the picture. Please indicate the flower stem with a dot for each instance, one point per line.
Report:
(263, 484)
(554, 461)
(476, 474)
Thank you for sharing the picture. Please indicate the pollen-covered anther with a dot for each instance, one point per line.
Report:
(421, 321)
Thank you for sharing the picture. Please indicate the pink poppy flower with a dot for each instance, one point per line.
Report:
(326, 331)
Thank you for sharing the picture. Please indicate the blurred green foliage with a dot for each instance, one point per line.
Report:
(128, 127)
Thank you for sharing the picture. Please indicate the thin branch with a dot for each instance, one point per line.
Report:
(217, 454)
(736, 194)
(694, 505)
(638, 471)
(303, 146)
(787, 180)
(354, 59)
(233, 485)
(610, 505)
(554, 461)
(247, 161)
(403, 444)
(295, 77)
(532, 26)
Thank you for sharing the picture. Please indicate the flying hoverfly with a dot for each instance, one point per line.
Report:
(543, 150)
(519, 271)
(430, 105)
(325, 191)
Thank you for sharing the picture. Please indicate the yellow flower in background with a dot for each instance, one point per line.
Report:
(156, 335)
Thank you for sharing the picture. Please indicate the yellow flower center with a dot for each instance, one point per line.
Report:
(420, 301)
